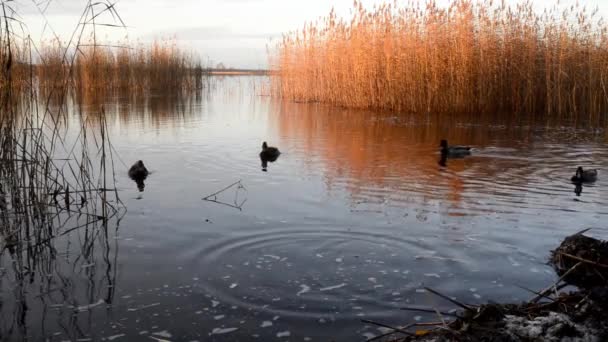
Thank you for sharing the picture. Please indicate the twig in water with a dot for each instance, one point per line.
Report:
(462, 305)
(236, 205)
(389, 327)
(428, 311)
(583, 260)
(224, 189)
(548, 289)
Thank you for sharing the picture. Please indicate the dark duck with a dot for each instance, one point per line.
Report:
(584, 176)
(139, 173)
(454, 150)
(268, 154)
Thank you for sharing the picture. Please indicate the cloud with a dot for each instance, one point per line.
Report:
(213, 33)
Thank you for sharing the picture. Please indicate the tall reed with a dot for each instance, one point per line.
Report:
(52, 184)
(473, 57)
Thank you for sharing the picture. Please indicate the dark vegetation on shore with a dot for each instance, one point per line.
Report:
(472, 57)
(556, 313)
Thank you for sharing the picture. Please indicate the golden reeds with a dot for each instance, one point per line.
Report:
(471, 57)
(161, 65)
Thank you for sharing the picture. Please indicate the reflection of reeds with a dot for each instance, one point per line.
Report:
(469, 57)
(53, 184)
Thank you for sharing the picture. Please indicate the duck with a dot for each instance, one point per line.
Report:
(138, 171)
(269, 153)
(454, 150)
(584, 176)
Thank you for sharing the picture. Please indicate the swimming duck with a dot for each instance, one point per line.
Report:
(138, 171)
(584, 175)
(269, 153)
(454, 151)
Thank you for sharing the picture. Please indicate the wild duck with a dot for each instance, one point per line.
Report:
(454, 150)
(584, 176)
(269, 153)
(138, 171)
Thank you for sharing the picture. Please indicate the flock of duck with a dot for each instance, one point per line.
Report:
(455, 151)
(138, 172)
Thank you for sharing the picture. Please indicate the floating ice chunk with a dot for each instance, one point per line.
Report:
(514, 263)
(218, 317)
(110, 338)
(266, 324)
(329, 288)
(143, 307)
(90, 306)
(214, 303)
(163, 333)
(221, 331)
(233, 285)
(283, 334)
(305, 288)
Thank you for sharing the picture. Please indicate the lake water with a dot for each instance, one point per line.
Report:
(351, 222)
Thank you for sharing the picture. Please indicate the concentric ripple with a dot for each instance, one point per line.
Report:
(310, 273)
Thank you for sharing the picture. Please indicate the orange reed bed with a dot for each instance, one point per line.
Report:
(468, 57)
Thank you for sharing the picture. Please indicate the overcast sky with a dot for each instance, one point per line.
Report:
(235, 32)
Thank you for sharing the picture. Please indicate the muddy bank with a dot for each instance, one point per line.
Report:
(575, 308)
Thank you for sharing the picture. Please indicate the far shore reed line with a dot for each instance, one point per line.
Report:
(160, 65)
(471, 57)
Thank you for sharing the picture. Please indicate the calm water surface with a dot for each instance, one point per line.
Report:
(351, 222)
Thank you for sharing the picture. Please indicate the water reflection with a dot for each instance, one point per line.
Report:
(354, 222)
(384, 158)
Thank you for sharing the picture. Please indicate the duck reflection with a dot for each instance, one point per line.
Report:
(578, 188)
(139, 173)
(268, 154)
(443, 160)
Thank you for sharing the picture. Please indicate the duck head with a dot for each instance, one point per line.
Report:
(264, 146)
(443, 144)
(579, 171)
(140, 163)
